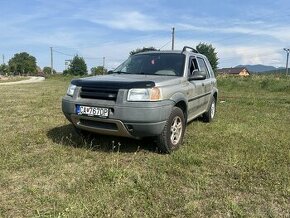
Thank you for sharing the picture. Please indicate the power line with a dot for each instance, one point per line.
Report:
(63, 53)
(142, 38)
(70, 55)
(164, 45)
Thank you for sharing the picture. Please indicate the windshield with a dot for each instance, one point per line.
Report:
(153, 64)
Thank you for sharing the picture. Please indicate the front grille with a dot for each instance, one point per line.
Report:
(97, 124)
(99, 93)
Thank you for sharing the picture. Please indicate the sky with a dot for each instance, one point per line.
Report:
(243, 32)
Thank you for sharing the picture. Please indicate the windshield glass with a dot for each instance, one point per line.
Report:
(153, 64)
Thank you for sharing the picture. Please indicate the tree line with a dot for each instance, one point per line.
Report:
(25, 64)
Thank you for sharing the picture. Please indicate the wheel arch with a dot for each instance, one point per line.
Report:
(183, 106)
(181, 102)
(215, 95)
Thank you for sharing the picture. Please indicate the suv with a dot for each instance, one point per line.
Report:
(152, 94)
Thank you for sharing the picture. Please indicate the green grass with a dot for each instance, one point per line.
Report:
(237, 166)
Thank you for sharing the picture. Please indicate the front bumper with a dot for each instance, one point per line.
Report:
(129, 119)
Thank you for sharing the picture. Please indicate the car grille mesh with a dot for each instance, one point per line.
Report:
(99, 93)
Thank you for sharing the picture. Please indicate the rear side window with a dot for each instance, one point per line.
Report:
(203, 67)
(210, 69)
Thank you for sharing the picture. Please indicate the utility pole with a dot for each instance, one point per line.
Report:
(51, 61)
(173, 32)
(3, 58)
(104, 59)
(287, 59)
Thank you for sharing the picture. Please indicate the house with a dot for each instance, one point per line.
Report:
(241, 71)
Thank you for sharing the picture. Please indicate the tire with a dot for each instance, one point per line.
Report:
(210, 113)
(173, 132)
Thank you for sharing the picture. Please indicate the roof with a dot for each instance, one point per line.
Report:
(235, 70)
(172, 52)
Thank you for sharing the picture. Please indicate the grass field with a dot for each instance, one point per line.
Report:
(237, 166)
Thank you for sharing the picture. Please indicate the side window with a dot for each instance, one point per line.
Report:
(193, 67)
(203, 66)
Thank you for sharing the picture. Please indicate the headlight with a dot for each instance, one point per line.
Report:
(71, 89)
(150, 94)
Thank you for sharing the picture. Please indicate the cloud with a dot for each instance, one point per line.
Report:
(132, 21)
(279, 32)
(259, 54)
(97, 29)
(230, 55)
(117, 52)
(124, 20)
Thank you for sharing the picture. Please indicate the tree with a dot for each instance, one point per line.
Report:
(47, 70)
(77, 66)
(209, 51)
(99, 70)
(22, 63)
(138, 50)
(4, 69)
(65, 72)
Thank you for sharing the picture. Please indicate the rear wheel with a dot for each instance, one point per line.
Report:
(210, 113)
(172, 134)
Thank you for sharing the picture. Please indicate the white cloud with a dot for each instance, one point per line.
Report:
(102, 25)
(280, 32)
(125, 20)
(259, 54)
(117, 52)
(230, 55)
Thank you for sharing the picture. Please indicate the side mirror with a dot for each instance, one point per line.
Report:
(110, 72)
(199, 75)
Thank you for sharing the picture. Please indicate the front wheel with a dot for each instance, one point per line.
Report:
(172, 134)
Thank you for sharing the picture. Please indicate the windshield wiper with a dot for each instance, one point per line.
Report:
(161, 74)
(120, 72)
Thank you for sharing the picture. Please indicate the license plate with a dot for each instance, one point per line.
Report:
(92, 111)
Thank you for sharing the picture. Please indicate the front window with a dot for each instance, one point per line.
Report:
(203, 66)
(153, 64)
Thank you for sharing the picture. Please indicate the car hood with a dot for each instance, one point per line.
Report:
(125, 81)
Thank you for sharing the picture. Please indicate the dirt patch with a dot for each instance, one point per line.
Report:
(31, 79)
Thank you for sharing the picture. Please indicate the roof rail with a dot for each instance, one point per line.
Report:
(192, 49)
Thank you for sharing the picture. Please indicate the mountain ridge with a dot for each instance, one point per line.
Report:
(260, 68)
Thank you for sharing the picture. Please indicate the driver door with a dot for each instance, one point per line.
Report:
(195, 91)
